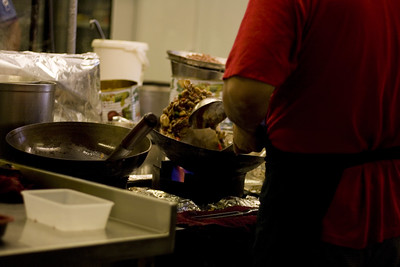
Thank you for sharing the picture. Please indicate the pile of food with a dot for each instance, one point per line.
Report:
(175, 118)
(174, 122)
(204, 58)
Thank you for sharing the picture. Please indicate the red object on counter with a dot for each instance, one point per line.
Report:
(246, 221)
(10, 185)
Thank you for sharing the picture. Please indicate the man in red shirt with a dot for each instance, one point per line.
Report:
(323, 78)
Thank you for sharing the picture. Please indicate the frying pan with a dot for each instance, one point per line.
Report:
(201, 160)
(76, 148)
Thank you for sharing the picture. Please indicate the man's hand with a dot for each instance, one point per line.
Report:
(245, 142)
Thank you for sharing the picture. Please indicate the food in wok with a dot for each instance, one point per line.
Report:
(174, 122)
(195, 149)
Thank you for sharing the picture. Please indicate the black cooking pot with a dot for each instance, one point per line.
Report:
(76, 148)
(201, 160)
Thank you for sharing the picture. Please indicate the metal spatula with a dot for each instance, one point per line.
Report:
(142, 128)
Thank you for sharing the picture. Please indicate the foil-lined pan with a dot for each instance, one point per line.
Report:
(77, 77)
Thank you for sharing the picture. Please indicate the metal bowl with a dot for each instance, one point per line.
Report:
(182, 57)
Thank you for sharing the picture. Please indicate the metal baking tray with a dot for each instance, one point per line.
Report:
(139, 227)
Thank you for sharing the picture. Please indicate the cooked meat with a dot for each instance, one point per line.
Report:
(175, 118)
(204, 58)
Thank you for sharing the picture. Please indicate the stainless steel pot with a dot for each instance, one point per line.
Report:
(186, 71)
(24, 101)
(184, 67)
(154, 97)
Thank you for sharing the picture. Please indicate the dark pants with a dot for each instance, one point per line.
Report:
(296, 194)
(385, 254)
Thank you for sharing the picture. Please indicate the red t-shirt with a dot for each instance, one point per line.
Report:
(336, 68)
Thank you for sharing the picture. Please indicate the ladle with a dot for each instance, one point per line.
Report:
(141, 129)
(209, 112)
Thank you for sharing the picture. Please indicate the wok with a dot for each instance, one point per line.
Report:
(201, 160)
(76, 148)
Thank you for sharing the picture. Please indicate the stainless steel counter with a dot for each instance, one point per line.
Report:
(139, 227)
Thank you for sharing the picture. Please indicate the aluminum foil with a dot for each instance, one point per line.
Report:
(248, 201)
(184, 204)
(77, 77)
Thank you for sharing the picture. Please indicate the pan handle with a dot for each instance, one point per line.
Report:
(142, 128)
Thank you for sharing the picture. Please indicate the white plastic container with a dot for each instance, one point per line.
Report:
(124, 60)
(66, 209)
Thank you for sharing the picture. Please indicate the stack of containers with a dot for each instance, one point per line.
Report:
(121, 62)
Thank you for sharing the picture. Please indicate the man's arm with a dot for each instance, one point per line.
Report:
(246, 104)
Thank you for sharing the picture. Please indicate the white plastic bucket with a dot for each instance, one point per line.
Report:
(121, 60)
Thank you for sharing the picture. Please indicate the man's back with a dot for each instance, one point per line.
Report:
(336, 68)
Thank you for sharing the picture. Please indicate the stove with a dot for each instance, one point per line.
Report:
(200, 187)
(206, 186)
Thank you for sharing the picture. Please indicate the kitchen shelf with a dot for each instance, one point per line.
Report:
(139, 227)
